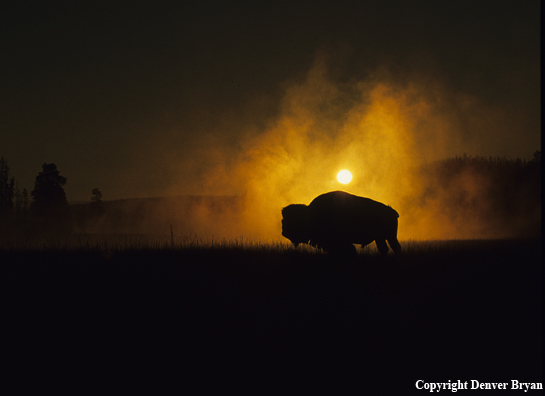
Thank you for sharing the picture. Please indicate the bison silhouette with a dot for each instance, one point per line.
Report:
(337, 220)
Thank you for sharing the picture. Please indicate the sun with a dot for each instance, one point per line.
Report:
(344, 177)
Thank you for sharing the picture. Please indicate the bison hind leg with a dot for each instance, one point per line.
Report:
(395, 245)
(382, 247)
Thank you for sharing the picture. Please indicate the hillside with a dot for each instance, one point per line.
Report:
(187, 214)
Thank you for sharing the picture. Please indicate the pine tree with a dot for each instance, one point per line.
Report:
(24, 203)
(6, 190)
(49, 205)
(97, 209)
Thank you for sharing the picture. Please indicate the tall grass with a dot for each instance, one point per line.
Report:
(124, 242)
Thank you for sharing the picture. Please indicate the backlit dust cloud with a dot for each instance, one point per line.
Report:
(378, 130)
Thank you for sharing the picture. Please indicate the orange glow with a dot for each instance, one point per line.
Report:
(384, 129)
(344, 177)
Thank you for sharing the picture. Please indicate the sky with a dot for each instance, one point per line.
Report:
(263, 99)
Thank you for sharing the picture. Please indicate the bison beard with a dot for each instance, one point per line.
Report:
(335, 221)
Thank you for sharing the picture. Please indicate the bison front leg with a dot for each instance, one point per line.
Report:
(346, 250)
(341, 249)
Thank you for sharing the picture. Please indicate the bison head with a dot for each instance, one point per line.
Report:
(295, 223)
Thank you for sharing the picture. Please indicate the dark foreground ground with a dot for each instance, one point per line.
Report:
(232, 321)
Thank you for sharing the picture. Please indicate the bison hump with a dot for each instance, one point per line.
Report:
(343, 202)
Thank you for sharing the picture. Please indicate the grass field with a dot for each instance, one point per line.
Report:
(227, 317)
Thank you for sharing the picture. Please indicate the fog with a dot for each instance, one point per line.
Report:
(267, 103)
(380, 129)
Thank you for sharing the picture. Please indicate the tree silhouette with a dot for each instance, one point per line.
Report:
(6, 190)
(97, 209)
(49, 205)
(501, 196)
(21, 203)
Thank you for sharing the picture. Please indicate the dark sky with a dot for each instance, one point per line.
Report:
(133, 98)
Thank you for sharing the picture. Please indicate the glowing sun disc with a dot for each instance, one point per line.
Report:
(344, 177)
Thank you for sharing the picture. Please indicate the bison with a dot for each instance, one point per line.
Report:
(337, 220)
